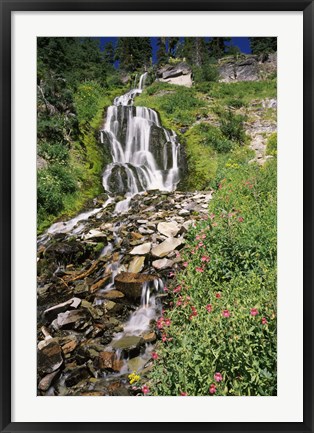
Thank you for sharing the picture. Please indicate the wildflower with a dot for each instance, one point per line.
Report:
(154, 355)
(133, 377)
(185, 264)
(171, 274)
(179, 302)
(164, 338)
(167, 322)
(183, 393)
(160, 323)
(166, 289)
(212, 388)
(145, 389)
(264, 321)
(198, 269)
(218, 295)
(240, 219)
(254, 312)
(205, 259)
(200, 244)
(226, 313)
(198, 237)
(177, 289)
(218, 377)
(212, 216)
(209, 308)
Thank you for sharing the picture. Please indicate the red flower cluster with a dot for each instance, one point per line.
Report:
(194, 312)
(212, 388)
(209, 308)
(162, 321)
(254, 312)
(226, 313)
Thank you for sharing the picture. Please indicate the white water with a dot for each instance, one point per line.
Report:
(136, 165)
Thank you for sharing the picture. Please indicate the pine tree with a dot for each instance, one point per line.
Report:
(217, 47)
(162, 57)
(263, 45)
(172, 45)
(109, 53)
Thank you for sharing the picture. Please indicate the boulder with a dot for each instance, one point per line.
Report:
(109, 361)
(141, 249)
(166, 247)
(46, 381)
(170, 229)
(180, 74)
(129, 345)
(131, 283)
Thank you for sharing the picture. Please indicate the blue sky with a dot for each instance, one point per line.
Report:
(241, 42)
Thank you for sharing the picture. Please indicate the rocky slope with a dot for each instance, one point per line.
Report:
(91, 275)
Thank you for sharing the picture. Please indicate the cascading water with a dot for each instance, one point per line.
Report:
(144, 154)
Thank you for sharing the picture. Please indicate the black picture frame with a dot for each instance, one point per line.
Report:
(7, 7)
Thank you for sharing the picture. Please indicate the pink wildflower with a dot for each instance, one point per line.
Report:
(183, 393)
(185, 264)
(218, 295)
(200, 244)
(177, 289)
(198, 269)
(205, 259)
(164, 337)
(226, 313)
(264, 321)
(240, 219)
(254, 312)
(209, 308)
(218, 377)
(212, 388)
(154, 355)
(145, 389)
(167, 322)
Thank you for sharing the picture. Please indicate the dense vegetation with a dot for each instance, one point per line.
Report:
(75, 82)
(218, 326)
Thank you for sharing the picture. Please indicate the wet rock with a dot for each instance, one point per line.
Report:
(109, 361)
(95, 235)
(162, 264)
(137, 264)
(170, 229)
(52, 312)
(100, 284)
(142, 221)
(142, 249)
(50, 358)
(46, 381)
(136, 364)
(70, 251)
(150, 337)
(130, 345)
(81, 289)
(131, 283)
(75, 375)
(166, 247)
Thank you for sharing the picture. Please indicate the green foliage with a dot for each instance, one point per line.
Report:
(87, 99)
(263, 45)
(213, 137)
(177, 105)
(244, 91)
(53, 152)
(222, 306)
(231, 126)
(133, 53)
(207, 72)
(201, 159)
(271, 148)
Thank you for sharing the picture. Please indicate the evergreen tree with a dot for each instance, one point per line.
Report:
(133, 53)
(217, 47)
(263, 45)
(162, 57)
(195, 51)
(172, 45)
(109, 53)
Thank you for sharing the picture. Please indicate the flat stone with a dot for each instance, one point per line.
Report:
(170, 229)
(109, 361)
(162, 264)
(53, 312)
(142, 221)
(166, 247)
(95, 234)
(128, 343)
(141, 249)
(131, 283)
(184, 212)
(150, 337)
(137, 264)
(69, 347)
(68, 318)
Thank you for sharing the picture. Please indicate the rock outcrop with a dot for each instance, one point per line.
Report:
(180, 74)
(247, 67)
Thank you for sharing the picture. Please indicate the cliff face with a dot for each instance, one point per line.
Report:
(247, 68)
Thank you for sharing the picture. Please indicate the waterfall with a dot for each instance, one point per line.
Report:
(144, 154)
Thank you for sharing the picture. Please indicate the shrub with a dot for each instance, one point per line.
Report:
(231, 126)
(53, 151)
